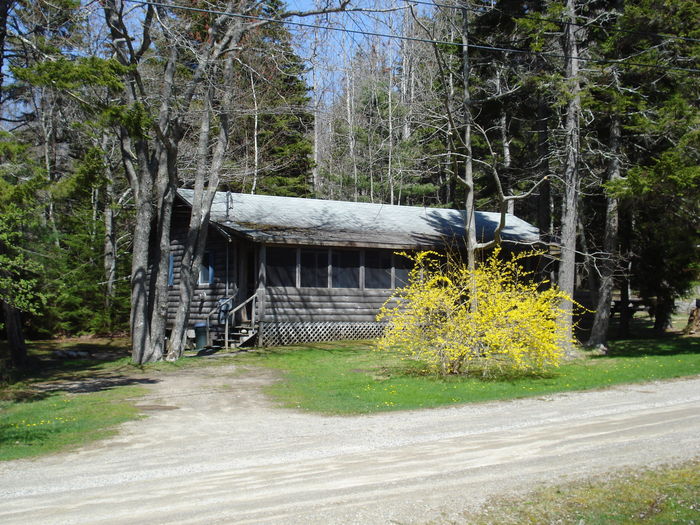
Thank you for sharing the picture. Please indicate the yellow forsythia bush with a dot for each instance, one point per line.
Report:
(493, 321)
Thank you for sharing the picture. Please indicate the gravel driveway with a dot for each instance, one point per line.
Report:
(214, 450)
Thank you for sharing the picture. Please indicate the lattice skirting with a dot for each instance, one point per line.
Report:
(276, 334)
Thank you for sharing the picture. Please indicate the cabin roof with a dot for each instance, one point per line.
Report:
(292, 220)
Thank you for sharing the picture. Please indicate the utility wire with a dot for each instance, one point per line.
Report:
(255, 18)
(548, 19)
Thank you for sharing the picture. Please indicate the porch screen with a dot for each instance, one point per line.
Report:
(377, 269)
(402, 267)
(281, 267)
(346, 269)
(314, 268)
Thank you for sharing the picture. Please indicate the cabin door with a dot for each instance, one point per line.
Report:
(247, 284)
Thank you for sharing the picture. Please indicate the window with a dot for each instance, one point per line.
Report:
(206, 269)
(346, 269)
(281, 267)
(314, 268)
(377, 269)
(402, 267)
(382, 269)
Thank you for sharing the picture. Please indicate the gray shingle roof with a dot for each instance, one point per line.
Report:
(291, 220)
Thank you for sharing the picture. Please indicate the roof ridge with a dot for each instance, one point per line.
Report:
(315, 199)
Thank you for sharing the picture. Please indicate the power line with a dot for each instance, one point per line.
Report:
(548, 19)
(256, 18)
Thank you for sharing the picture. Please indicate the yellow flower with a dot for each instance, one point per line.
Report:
(493, 319)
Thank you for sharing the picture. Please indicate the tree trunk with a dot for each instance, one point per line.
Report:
(350, 110)
(599, 331)
(204, 192)
(191, 258)
(48, 132)
(468, 174)
(544, 202)
(406, 81)
(391, 137)
(4, 12)
(505, 144)
(569, 221)
(140, 166)
(15, 336)
(315, 182)
(140, 310)
(109, 257)
(166, 187)
(256, 152)
(625, 236)
(662, 316)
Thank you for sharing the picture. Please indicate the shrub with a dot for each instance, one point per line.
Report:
(494, 321)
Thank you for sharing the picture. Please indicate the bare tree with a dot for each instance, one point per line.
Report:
(151, 154)
(460, 141)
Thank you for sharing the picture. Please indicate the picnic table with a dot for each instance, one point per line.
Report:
(634, 305)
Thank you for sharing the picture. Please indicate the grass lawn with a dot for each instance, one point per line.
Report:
(351, 378)
(658, 496)
(59, 421)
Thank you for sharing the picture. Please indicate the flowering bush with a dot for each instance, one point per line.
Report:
(495, 320)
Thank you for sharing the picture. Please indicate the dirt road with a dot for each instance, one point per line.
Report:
(214, 450)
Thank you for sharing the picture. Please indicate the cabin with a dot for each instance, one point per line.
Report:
(284, 270)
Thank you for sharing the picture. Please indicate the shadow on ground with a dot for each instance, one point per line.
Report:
(74, 366)
(671, 344)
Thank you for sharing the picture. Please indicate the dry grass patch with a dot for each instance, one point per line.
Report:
(655, 496)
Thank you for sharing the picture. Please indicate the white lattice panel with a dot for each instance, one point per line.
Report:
(278, 334)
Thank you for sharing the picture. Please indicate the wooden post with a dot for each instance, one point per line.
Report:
(262, 261)
(228, 273)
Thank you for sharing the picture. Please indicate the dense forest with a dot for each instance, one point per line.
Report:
(580, 116)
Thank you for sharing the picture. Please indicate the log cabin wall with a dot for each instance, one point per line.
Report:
(323, 304)
(316, 314)
(220, 264)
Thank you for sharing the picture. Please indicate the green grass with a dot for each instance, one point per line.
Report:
(351, 378)
(659, 496)
(61, 421)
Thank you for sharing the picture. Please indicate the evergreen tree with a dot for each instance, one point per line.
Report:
(20, 236)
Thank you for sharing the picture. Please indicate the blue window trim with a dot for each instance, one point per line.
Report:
(171, 270)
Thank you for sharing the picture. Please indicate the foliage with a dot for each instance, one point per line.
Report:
(663, 192)
(18, 272)
(76, 282)
(73, 74)
(495, 320)
(19, 269)
(67, 295)
(56, 171)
